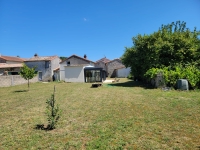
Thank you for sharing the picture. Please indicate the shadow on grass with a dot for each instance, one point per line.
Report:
(132, 84)
(42, 127)
(20, 91)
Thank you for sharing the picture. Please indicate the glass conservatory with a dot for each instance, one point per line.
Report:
(94, 74)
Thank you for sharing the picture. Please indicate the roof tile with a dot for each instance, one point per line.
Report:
(45, 58)
(11, 58)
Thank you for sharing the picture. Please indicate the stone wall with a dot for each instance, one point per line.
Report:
(12, 80)
(112, 66)
(102, 65)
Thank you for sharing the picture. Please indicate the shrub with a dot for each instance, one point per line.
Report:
(172, 73)
(130, 76)
(53, 112)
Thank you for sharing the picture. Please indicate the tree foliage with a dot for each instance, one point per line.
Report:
(171, 44)
(63, 58)
(27, 73)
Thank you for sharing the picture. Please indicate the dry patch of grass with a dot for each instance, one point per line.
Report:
(124, 115)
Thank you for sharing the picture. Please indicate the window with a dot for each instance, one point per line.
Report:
(46, 64)
(68, 63)
(93, 75)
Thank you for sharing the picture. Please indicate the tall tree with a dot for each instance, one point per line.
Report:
(27, 73)
(171, 44)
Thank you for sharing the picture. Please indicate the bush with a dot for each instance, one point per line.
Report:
(130, 76)
(172, 73)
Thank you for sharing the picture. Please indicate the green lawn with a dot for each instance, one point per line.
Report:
(124, 115)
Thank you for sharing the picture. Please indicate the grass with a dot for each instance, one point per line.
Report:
(124, 115)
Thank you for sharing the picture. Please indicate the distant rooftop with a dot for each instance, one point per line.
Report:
(84, 58)
(11, 58)
(105, 60)
(42, 58)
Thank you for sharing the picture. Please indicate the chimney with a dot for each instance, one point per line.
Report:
(85, 56)
(36, 55)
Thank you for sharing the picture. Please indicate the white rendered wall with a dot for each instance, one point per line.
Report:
(123, 72)
(74, 74)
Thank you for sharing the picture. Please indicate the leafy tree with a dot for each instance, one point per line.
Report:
(63, 58)
(27, 73)
(171, 44)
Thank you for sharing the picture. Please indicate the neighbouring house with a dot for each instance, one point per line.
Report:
(80, 69)
(10, 64)
(102, 63)
(46, 66)
(110, 66)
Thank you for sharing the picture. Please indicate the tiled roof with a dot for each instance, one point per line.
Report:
(45, 58)
(10, 58)
(4, 65)
(115, 59)
(105, 60)
(77, 57)
(120, 65)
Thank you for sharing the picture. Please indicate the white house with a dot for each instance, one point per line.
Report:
(83, 73)
(80, 69)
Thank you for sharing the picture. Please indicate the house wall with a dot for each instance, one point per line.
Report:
(62, 71)
(76, 61)
(40, 66)
(74, 74)
(112, 65)
(101, 65)
(55, 63)
(11, 80)
(123, 72)
(13, 62)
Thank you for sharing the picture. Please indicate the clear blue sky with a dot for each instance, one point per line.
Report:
(96, 28)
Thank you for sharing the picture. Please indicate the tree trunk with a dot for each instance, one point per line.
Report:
(28, 84)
